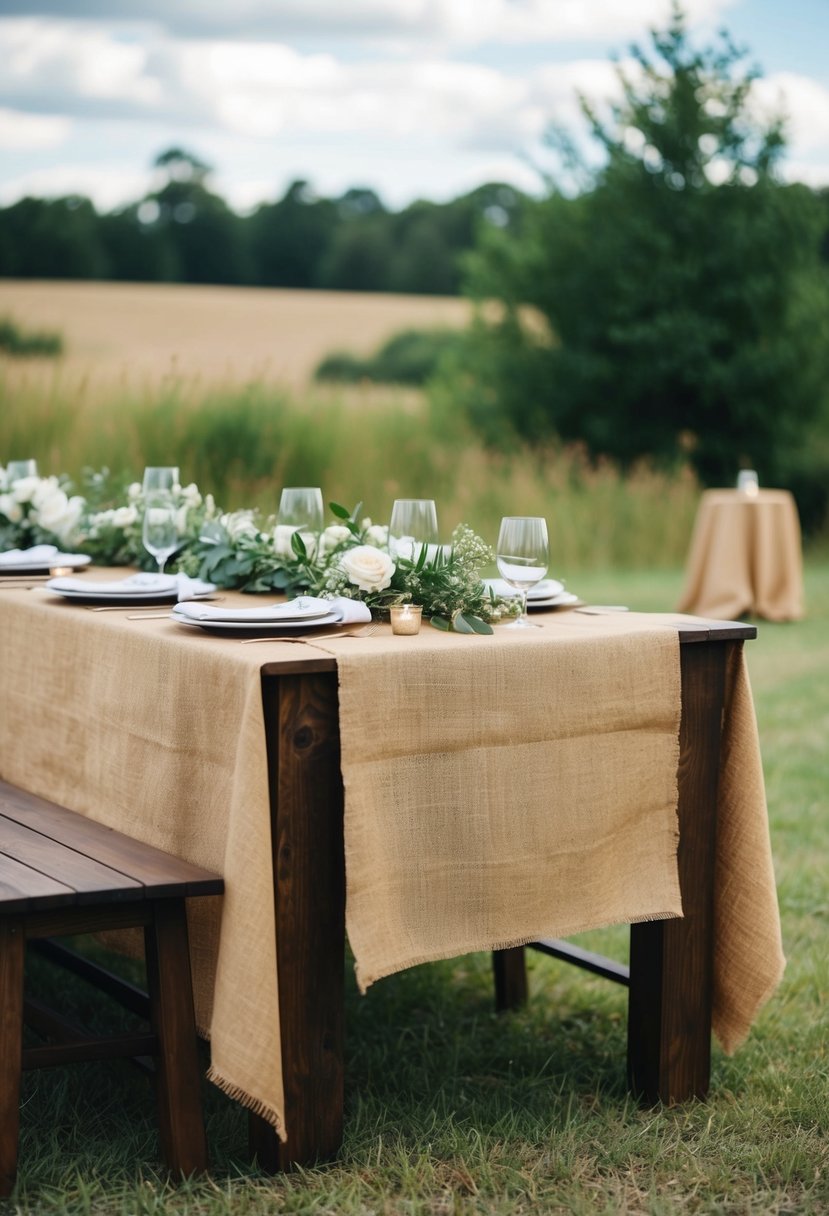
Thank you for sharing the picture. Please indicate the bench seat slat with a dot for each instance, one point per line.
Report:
(91, 880)
(22, 888)
(148, 866)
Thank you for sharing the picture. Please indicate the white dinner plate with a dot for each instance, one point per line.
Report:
(39, 565)
(547, 589)
(276, 627)
(136, 589)
(564, 599)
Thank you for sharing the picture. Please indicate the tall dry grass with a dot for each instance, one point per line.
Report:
(244, 443)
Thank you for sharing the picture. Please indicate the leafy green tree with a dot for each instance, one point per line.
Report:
(53, 239)
(287, 240)
(190, 231)
(677, 304)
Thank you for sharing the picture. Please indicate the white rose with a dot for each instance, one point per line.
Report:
(333, 535)
(60, 515)
(377, 534)
(25, 488)
(282, 534)
(191, 496)
(122, 517)
(239, 524)
(369, 569)
(12, 510)
(44, 492)
(134, 491)
(181, 519)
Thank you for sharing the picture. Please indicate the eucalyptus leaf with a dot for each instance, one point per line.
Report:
(461, 624)
(440, 622)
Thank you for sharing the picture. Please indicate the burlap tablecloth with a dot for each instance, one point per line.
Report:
(482, 751)
(745, 557)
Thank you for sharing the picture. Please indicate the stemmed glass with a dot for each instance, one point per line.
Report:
(300, 507)
(160, 531)
(413, 523)
(16, 470)
(522, 556)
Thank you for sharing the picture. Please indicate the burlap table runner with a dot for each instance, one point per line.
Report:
(158, 730)
(530, 793)
(745, 557)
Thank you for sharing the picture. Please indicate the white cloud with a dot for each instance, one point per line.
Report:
(18, 130)
(108, 187)
(450, 22)
(804, 102)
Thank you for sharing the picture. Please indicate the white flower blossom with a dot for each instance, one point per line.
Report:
(11, 509)
(369, 569)
(333, 535)
(376, 534)
(25, 488)
(240, 523)
(191, 496)
(134, 491)
(123, 517)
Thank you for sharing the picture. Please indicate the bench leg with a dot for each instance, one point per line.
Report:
(178, 1082)
(12, 952)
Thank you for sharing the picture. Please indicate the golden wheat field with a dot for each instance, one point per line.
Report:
(140, 333)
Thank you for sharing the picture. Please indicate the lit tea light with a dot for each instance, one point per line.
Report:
(59, 571)
(405, 618)
(748, 482)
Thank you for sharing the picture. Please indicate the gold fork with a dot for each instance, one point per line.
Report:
(365, 632)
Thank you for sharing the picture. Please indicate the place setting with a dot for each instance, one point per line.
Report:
(299, 615)
(44, 561)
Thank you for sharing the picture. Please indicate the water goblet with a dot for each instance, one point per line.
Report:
(161, 479)
(301, 507)
(522, 557)
(16, 470)
(413, 524)
(160, 531)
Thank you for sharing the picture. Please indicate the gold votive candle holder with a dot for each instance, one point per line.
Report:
(406, 618)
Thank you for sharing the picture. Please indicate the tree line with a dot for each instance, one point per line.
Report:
(184, 232)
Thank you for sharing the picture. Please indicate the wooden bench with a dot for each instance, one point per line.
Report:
(62, 874)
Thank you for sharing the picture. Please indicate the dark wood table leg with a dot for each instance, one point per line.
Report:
(302, 724)
(671, 961)
(510, 970)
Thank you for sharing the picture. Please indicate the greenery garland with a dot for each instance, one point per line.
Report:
(351, 557)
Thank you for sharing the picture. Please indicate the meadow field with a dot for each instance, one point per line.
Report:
(137, 335)
(217, 380)
(451, 1110)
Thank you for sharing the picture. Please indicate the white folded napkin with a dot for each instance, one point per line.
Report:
(545, 590)
(37, 553)
(304, 608)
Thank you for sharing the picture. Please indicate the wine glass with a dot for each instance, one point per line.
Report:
(160, 531)
(413, 523)
(522, 556)
(16, 470)
(300, 507)
(160, 479)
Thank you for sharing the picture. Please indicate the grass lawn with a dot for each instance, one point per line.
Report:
(451, 1109)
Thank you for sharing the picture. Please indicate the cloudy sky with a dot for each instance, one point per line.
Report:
(415, 98)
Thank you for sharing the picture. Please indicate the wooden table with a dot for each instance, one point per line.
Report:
(745, 557)
(670, 977)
